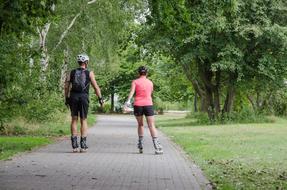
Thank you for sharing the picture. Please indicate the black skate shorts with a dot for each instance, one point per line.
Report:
(79, 105)
(143, 110)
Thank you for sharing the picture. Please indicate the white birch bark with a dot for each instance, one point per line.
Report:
(43, 32)
(64, 70)
(91, 2)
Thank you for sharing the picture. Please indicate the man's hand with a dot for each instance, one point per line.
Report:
(67, 101)
(101, 101)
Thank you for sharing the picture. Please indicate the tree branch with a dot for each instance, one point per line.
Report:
(66, 31)
(71, 25)
(93, 1)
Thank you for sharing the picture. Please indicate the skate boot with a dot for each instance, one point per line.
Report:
(157, 146)
(140, 144)
(84, 146)
(74, 141)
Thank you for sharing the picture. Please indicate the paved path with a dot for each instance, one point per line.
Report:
(112, 163)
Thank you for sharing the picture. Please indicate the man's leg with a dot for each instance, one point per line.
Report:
(84, 107)
(140, 133)
(84, 133)
(74, 133)
(84, 127)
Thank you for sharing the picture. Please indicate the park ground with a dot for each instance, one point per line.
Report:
(232, 156)
(235, 156)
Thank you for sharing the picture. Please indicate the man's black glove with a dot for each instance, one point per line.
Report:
(67, 101)
(101, 101)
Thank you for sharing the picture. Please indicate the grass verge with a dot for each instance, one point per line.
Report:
(235, 156)
(12, 145)
(22, 135)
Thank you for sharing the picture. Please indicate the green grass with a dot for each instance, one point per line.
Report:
(9, 146)
(57, 127)
(23, 136)
(235, 156)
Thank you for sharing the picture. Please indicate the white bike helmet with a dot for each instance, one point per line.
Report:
(83, 58)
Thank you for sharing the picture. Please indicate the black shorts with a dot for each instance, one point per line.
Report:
(143, 110)
(79, 105)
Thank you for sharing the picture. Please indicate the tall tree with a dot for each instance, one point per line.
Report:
(221, 45)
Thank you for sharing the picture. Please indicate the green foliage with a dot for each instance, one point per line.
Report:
(223, 46)
(39, 43)
(18, 16)
(244, 116)
(200, 118)
(215, 49)
(98, 109)
(38, 110)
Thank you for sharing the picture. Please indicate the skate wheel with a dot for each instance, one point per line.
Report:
(75, 150)
(83, 150)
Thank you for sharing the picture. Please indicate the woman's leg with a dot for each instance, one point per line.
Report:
(140, 133)
(151, 126)
(153, 133)
(140, 126)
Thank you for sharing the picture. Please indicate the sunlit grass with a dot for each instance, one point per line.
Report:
(236, 156)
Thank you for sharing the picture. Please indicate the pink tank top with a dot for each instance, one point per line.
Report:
(143, 89)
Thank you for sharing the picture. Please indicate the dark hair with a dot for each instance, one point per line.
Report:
(142, 70)
(81, 63)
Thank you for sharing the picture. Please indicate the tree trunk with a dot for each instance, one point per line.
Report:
(199, 90)
(216, 101)
(112, 102)
(216, 91)
(195, 103)
(251, 100)
(206, 77)
(44, 60)
(203, 104)
(64, 70)
(229, 99)
(230, 94)
(207, 90)
(210, 104)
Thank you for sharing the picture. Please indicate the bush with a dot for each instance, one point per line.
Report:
(279, 103)
(44, 108)
(244, 116)
(99, 109)
(200, 117)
